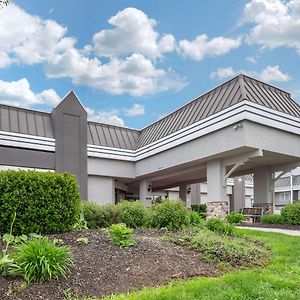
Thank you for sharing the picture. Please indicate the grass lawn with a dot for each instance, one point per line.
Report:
(279, 280)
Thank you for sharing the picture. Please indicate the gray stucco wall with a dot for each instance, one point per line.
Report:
(101, 189)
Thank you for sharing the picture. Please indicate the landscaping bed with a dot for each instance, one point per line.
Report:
(102, 268)
(279, 226)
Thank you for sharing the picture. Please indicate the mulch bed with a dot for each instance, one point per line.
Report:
(102, 268)
(279, 226)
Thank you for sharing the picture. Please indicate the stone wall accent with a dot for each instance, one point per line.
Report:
(218, 209)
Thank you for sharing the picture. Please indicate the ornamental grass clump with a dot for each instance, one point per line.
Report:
(39, 260)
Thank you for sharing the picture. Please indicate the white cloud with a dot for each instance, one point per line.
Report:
(135, 74)
(31, 39)
(19, 93)
(202, 47)
(273, 74)
(268, 74)
(107, 117)
(251, 59)
(135, 110)
(223, 73)
(276, 23)
(133, 32)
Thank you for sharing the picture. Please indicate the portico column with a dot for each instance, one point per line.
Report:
(146, 192)
(263, 187)
(185, 194)
(216, 189)
(217, 202)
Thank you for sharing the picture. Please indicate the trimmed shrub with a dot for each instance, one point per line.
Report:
(133, 214)
(216, 224)
(272, 219)
(235, 218)
(44, 202)
(170, 214)
(291, 213)
(40, 259)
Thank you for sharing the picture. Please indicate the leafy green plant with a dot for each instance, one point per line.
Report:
(121, 236)
(81, 223)
(39, 260)
(133, 214)
(216, 224)
(235, 218)
(291, 213)
(170, 214)
(45, 202)
(82, 241)
(272, 219)
(195, 219)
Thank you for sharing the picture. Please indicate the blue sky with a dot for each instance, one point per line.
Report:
(132, 62)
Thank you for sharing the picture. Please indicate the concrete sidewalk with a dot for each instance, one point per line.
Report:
(275, 230)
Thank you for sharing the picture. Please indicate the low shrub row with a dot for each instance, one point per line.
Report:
(168, 214)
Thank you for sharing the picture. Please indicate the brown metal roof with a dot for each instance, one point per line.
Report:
(25, 121)
(240, 88)
(229, 93)
(112, 136)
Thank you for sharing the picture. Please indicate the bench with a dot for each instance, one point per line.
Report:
(253, 212)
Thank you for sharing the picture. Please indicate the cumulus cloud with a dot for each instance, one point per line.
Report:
(107, 117)
(19, 93)
(202, 47)
(251, 59)
(34, 40)
(135, 110)
(276, 23)
(268, 74)
(133, 32)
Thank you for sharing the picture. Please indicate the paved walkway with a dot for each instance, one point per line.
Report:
(276, 230)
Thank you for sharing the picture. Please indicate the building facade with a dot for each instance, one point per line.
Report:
(242, 127)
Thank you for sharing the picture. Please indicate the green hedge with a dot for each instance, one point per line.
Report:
(44, 202)
(272, 219)
(291, 213)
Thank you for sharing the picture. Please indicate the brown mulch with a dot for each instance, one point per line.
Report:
(279, 226)
(102, 268)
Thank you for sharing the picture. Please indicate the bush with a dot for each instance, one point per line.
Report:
(133, 214)
(235, 218)
(272, 219)
(199, 208)
(170, 214)
(236, 250)
(40, 259)
(100, 216)
(121, 236)
(195, 219)
(291, 213)
(45, 202)
(216, 224)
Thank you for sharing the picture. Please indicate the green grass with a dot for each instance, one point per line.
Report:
(279, 280)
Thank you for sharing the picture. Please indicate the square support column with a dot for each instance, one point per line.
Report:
(263, 185)
(146, 192)
(185, 195)
(217, 202)
(216, 189)
(264, 189)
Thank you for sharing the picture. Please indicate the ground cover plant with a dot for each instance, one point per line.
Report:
(277, 280)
